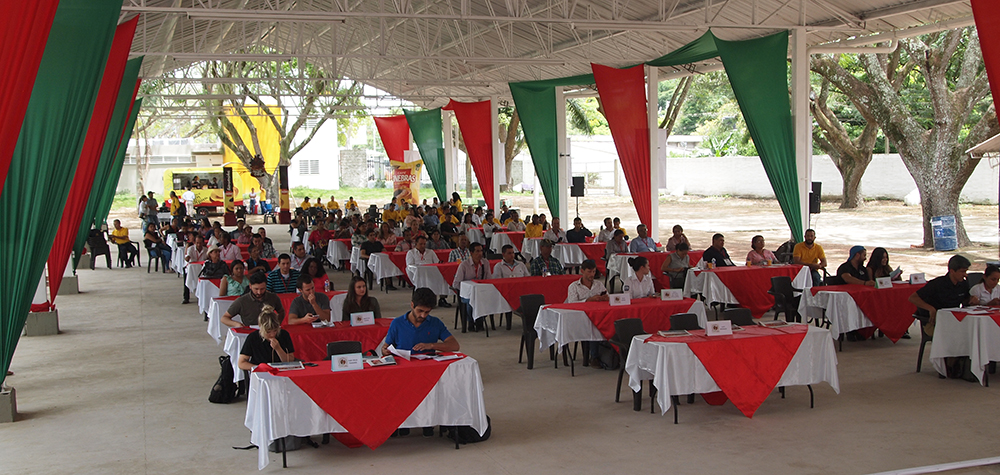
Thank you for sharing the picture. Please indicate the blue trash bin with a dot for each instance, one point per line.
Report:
(945, 236)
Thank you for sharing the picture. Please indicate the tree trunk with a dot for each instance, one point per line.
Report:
(851, 191)
(938, 200)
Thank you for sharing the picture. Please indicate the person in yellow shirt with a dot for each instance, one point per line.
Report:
(535, 229)
(305, 204)
(808, 253)
(175, 204)
(332, 204)
(456, 201)
(617, 223)
(514, 222)
(125, 248)
(351, 203)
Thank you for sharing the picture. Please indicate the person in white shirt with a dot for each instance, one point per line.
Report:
(555, 233)
(473, 268)
(641, 284)
(477, 218)
(587, 289)
(643, 243)
(188, 197)
(230, 251)
(509, 267)
(419, 256)
(607, 233)
(514, 223)
(987, 292)
(196, 252)
(299, 255)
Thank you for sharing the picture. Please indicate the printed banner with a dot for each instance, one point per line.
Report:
(406, 181)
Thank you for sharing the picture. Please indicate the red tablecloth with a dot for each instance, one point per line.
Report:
(370, 403)
(286, 302)
(748, 364)
(750, 284)
(994, 314)
(889, 309)
(553, 287)
(516, 238)
(655, 313)
(656, 259)
(595, 251)
(310, 343)
(448, 270)
(244, 250)
(399, 259)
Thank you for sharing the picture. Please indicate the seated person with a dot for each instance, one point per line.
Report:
(555, 233)
(270, 344)
(358, 300)
(436, 242)
(717, 255)
(534, 229)
(578, 234)
(373, 246)
(236, 283)
(808, 253)
(299, 255)
(878, 265)
(154, 243)
(490, 226)
(587, 289)
(473, 268)
(230, 251)
(641, 284)
(125, 248)
(461, 252)
(282, 279)
(406, 243)
(514, 223)
(617, 222)
(509, 267)
(214, 267)
(987, 292)
(249, 305)
(314, 269)
(853, 271)
(677, 238)
(417, 330)
(948, 291)
(643, 243)
(449, 230)
(545, 264)
(616, 245)
(758, 256)
(319, 239)
(255, 263)
(676, 265)
(607, 232)
(310, 305)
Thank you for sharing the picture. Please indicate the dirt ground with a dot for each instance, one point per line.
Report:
(888, 224)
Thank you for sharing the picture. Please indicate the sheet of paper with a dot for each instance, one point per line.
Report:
(447, 357)
(405, 354)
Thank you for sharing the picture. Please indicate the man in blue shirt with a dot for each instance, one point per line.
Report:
(643, 243)
(417, 330)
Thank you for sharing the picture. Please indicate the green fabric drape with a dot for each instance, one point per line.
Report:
(426, 129)
(123, 103)
(758, 72)
(111, 186)
(754, 66)
(46, 154)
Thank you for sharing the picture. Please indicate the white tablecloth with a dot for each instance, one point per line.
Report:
(569, 254)
(429, 276)
(476, 235)
(618, 265)
(560, 326)
(277, 408)
(841, 310)
(675, 370)
(336, 252)
(500, 240)
(193, 270)
(205, 292)
(976, 336)
(531, 246)
(382, 267)
(711, 287)
(177, 254)
(484, 298)
(356, 260)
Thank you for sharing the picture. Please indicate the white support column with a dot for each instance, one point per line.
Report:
(564, 168)
(801, 120)
(652, 102)
(449, 150)
(498, 157)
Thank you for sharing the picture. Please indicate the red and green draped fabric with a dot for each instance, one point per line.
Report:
(97, 131)
(536, 105)
(426, 129)
(108, 193)
(24, 29)
(474, 121)
(103, 176)
(395, 135)
(622, 92)
(45, 157)
(987, 15)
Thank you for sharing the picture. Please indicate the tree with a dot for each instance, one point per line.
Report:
(851, 155)
(318, 96)
(941, 109)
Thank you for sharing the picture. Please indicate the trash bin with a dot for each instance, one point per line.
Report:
(945, 237)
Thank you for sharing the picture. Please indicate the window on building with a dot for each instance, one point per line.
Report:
(308, 167)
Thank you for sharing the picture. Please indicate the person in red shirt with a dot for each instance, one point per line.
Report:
(319, 239)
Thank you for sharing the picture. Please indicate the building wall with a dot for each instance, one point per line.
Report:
(317, 164)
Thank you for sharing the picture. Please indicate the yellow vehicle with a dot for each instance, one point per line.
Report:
(206, 198)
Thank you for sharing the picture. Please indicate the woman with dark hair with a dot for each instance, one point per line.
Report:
(358, 300)
(641, 284)
(758, 256)
(206, 229)
(236, 282)
(152, 240)
(456, 201)
(314, 269)
(878, 264)
(987, 292)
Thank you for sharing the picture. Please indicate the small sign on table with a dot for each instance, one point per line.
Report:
(671, 294)
(346, 362)
(883, 282)
(918, 278)
(620, 299)
(719, 327)
(361, 319)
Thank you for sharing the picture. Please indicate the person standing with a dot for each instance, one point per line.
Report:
(152, 208)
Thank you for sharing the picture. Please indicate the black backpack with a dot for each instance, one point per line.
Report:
(224, 390)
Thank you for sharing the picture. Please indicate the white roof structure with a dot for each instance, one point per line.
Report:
(426, 51)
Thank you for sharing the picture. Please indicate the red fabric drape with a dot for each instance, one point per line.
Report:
(623, 96)
(474, 121)
(24, 30)
(395, 135)
(987, 15)
(91, 155)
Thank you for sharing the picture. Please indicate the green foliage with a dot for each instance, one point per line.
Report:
(727, 134)
(598, 124)
(708, 94)
(124, 199)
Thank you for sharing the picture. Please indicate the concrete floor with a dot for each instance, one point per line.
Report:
(124, 389)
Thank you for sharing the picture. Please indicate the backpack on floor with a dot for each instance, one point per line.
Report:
(224, 389)
(608, 355)
(468, 435)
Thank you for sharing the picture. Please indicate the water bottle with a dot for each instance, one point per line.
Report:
(326, 286)
(713, 264)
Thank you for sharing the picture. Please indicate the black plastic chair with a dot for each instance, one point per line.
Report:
(739, 316)
(974, 278)
(342, 347)
(98, 245)
(153, 256)
(684, 321)
(123, 254)
(923, 317)
(625, 330)
(784, 298)
(530, 304)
